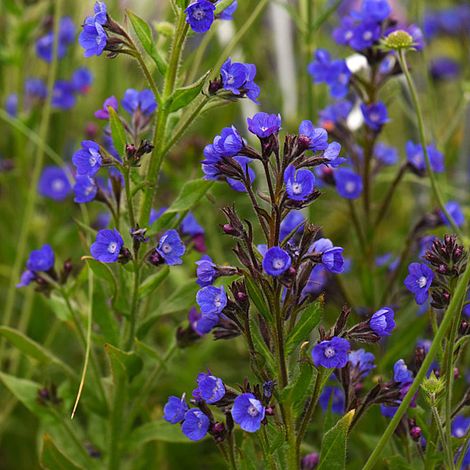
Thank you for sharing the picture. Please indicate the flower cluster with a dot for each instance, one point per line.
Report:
(248, 409)
(66, 36)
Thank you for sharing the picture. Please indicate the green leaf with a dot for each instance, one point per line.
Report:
(54, 459)
(302, 386)
(153, 281)
(159, 430)
(257, 297)
(309, 319)
(222, 5)
(181, 299)
(26, 392)
(261, 346)
(123, 362)
(32, 349)
(191, 193)
(117, 132)
(104, 272)
(143, 32)
(183, 96)
(334, 442)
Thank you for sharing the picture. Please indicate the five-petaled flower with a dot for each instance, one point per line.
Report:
(107, 246)
(276, 261)
(264, 125)
(171, 248)
(299, 183)
(248, 412)
(331, 256)
(88, 159)
(419, 281)
(375, 115)
(175, 409)
(331, 353)
(200, 15)
(195, 424)
(348, 183)
(211, 389)
(211, 299)
(382, 322)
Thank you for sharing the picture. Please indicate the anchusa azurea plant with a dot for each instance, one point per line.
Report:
(230, 243)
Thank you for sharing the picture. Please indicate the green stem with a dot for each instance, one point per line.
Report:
(134, 306)
(442, 436)
(452, 311)
(163, 113)
(422, 138)
(32, 193)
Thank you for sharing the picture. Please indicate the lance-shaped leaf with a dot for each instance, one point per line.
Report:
(257, 297)
(144, 33)
(309, 319)
(122, 362)
(54, 459)
(117, 131)
(33, 350)
(334, 443)
(185, 95)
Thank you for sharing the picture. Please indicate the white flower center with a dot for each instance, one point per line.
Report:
(230, 79)
(112, 247)
(199, 14)
(329, 352)
(350, 187)
(252, 411)
(459, 432)
(367, 36)
(57, 185)
(217, 301)
(278, 263)
(374, 117)
(296, 188)
(422, 281)
(342, 78)
(166, 248)
(348, 35)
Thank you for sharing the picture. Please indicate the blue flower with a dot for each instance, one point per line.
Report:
(238, 78)
(345, 31)
(382, 322)
(336, 396)
(248, 412)
(386, 154)
(276, 261)
(229, 143)
(107, 246)
(54, 183)
(375, 115)
(93, 38)
(85, 189)
(401, 374)
(419, 281)
(103, 113)
(264, 125)
(100, 11)
(317, 138)
(416, 158)
(171, 248)
(331, 256)
(45, 44)
(293, 220)
(200, 15)
(41, 260)
(460, 426)
(316, 281)
(88, 159)
(348, 183)
(227, 14)
(211, 300)
(365, 35)
(195, 424)
(206, 271)
(362, 361)
(11, 104)
(299, 183)
(332, 154)
(455, 211)
(139, 100)
(335, 113)
(175, 409)
(63, 95)
(444, 68)
(211, 389)
(331, 353)
(27, 277)
(190, 226)
(334, 73)
(375, 10)
(82, 80)
(247, 170)
(206, 322)
(388, 411)
(36, 88)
